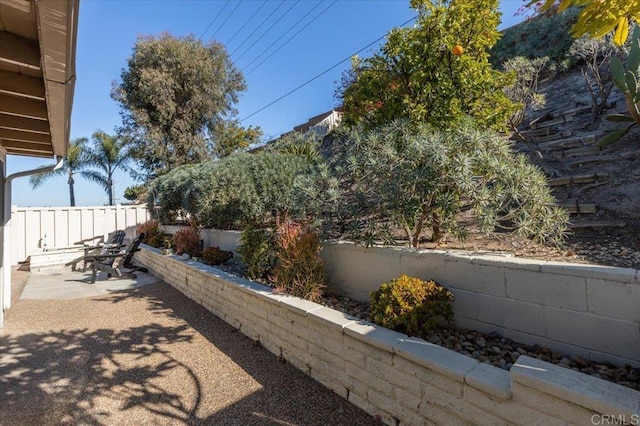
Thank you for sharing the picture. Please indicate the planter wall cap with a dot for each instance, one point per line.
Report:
(331, 317)
(611, 273)
(489, 379)
(581, 389)
(375, 335)
(297, 305)
(439, 359)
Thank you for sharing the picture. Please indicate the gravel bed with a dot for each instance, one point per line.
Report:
(489, 348)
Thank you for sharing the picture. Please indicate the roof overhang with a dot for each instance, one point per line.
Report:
(37, 75)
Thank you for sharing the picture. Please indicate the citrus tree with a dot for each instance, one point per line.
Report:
(435, 72)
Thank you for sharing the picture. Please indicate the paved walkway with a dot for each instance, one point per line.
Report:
(144, 354)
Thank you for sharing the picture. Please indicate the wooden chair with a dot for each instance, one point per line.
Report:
(113, 263)
(113, 244)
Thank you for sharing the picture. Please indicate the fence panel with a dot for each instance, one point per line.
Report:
(36, 229)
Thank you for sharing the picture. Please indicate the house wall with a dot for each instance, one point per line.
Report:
(399, 379)
(35, 230)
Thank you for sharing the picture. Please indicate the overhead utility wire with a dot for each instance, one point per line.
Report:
(268, 29)
(214, 19)
(245, 24)
(321, 74)
(258, 27)
(290, 38)
(284, 34)
(225, 21)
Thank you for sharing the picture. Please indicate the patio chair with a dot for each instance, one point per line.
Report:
(113, 244)
(114, 263)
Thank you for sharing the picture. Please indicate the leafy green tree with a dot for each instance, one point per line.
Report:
(421, 180)
(108, 154)
(135, 192)
(176, 97)
(597, 17)
(75, 163)
(435, 72)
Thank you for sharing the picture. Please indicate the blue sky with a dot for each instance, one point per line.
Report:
(107, 31)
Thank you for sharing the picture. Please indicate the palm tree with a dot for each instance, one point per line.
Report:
(108, 154)
(76, 162)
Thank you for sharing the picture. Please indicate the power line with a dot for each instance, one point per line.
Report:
(268, 29)
(259, 26)
(321, 74)
(214, 19)
(285, 33)
(245, 24)
(290, 38)
(225, 21)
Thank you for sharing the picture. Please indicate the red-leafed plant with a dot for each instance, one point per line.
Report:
(187, 240)
(300, 271)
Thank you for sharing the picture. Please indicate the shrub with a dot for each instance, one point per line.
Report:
(257, 248)
(300, 271)
(411, 305)
(152, 234)
(543, 36)
(215, 256)
(524, 90)
(419, 179)
(187, 240)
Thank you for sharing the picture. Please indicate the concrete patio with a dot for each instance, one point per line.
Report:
(136, 351)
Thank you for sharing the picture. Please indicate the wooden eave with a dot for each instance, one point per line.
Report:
(37, 75)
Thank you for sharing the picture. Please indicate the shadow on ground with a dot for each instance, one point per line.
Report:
(175, 363)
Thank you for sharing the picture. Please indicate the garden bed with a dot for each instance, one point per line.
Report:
(386, 373)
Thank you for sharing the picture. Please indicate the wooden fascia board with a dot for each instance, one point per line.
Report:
(57, 29)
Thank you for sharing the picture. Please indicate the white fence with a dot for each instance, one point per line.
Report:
(34, 230)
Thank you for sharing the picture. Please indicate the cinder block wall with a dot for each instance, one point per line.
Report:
(587, 310)
(402, 380)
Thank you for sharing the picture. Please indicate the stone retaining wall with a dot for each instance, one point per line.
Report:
(400, 379)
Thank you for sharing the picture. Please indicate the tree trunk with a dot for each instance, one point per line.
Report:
(435, 227)
(110, 190)
(72, 197)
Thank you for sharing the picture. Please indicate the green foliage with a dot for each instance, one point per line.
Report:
(135, 193)
(257, 248)
(227, 193)
(418, 75)
(419, 179)
(599, 17)
(215, 256)
(187, 240)
(176, 96)
(543, 36)
(108, 154)
(627, 82)
(76, 162)
(524, 90)
(305, 145)
(411, 306)
(153, 236)
(300, 270)
(232, 137)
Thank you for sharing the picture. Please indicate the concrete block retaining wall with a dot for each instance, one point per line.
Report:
(400, 379)
(587, 310)
(225, 240)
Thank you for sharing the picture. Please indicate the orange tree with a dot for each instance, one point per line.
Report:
(435, 72)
